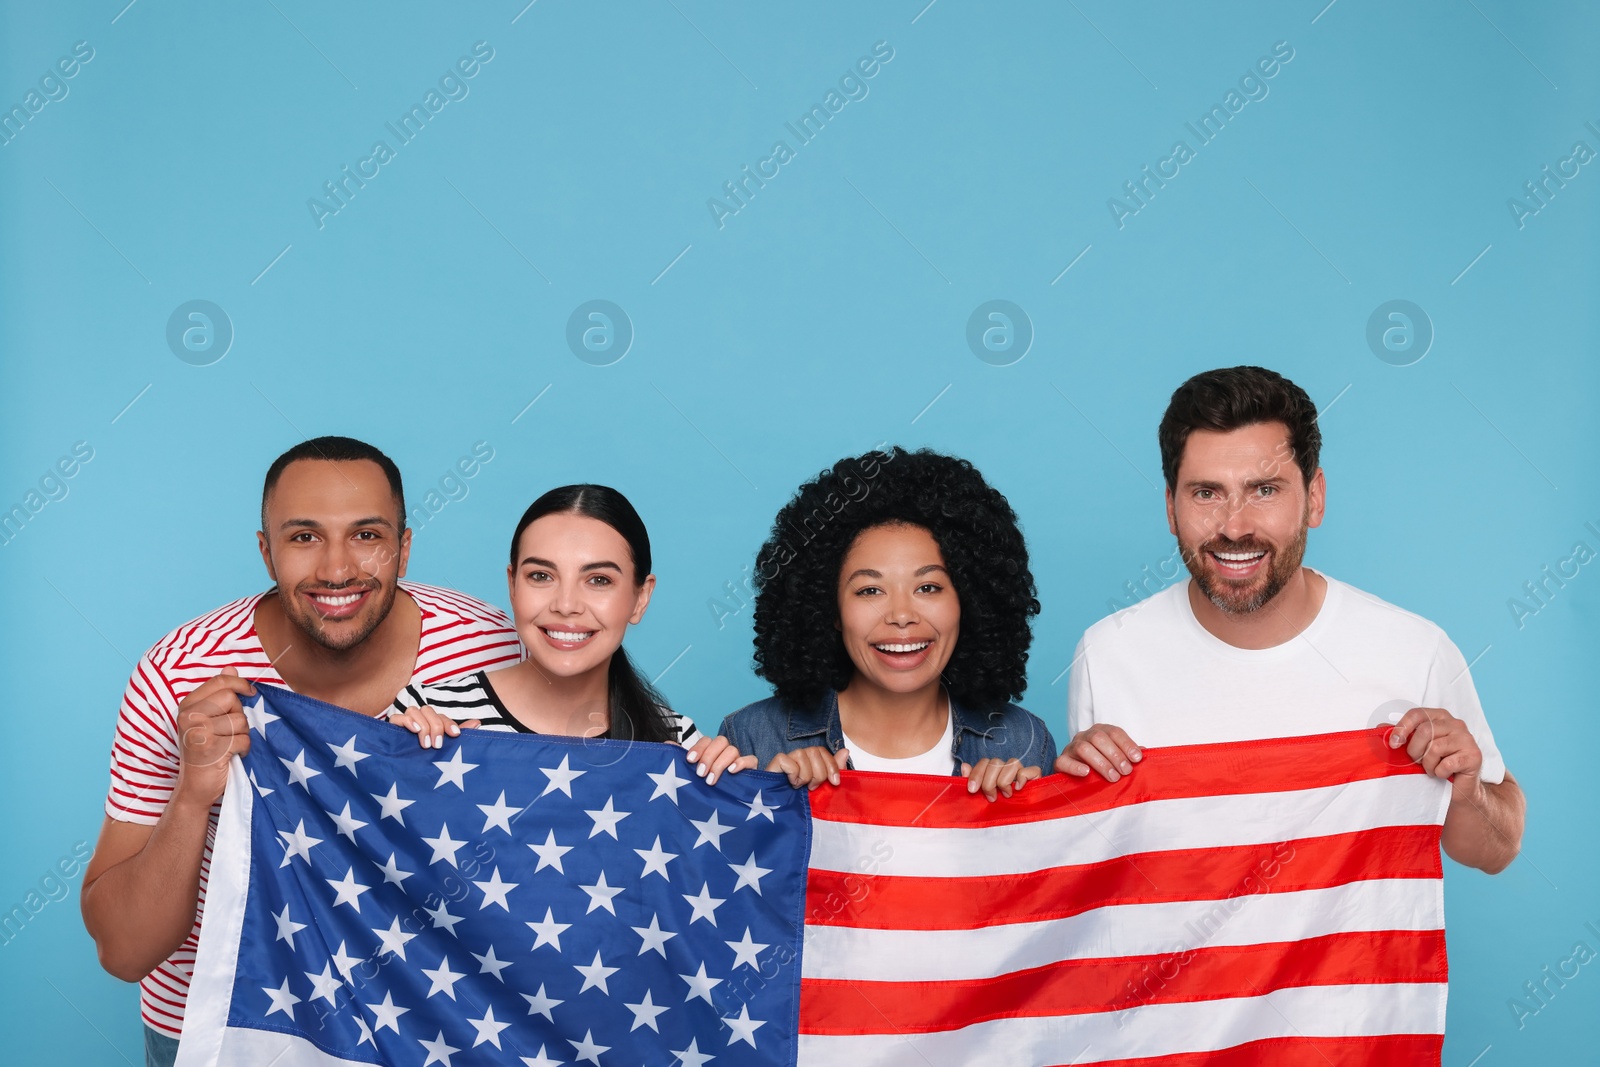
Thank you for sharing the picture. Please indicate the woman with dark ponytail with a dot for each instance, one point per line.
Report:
(579, 576)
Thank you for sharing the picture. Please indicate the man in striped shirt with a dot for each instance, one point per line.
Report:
(339, 625)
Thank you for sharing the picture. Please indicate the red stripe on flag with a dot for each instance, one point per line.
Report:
(1081, 987)
(1390, 1050)
(888, 902)
(1275, 765)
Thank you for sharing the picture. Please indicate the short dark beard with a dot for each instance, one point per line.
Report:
(308, 623)
(1283, 569)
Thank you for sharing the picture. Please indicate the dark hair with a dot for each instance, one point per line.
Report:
(797, 647)
(1233, 397)
(638, 710)
(337, 450)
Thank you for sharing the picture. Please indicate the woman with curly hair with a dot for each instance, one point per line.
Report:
(892, 617)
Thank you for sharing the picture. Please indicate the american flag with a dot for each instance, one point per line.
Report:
(529, 900)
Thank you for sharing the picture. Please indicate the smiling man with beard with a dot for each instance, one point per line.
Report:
(339, 625)
(1256, 645)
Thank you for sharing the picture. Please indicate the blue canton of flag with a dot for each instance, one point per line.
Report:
(509, 899)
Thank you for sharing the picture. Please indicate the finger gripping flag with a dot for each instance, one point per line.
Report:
(529, 900)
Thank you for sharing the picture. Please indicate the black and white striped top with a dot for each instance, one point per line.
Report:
(472, 697)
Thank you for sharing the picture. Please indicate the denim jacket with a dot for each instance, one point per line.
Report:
(770, 726)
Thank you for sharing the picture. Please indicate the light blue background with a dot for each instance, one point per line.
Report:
(828, 315)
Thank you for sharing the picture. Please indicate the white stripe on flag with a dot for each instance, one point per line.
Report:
(1149, 1030)
(1157, 825)
(1128, 930)
(206, 1018)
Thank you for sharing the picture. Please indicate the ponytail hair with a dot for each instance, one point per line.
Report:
(638, 710)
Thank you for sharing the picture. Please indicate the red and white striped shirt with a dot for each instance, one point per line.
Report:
(460, 634)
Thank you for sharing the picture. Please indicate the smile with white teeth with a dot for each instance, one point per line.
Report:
(570, 635)
(916, 646)
(336, 601)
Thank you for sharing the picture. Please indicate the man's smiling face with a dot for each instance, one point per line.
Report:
(333, 544)
(1240, 511)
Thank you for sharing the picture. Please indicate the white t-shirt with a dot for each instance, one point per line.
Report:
(1153, 670)
(937, 760)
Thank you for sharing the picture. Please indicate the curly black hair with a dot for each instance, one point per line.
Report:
(797, 647)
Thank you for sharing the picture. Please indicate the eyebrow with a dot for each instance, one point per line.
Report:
(313, 524)
(868, 572)
(1250, 483)
(604, 564)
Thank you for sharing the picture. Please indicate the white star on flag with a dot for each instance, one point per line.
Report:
(743, 1027)
(549, 931)
(394, 939)
(298, 843)
(347, 890)
(601, 895)
(347, 754)
(654, 937)
(498, 814)
(550, 853)
(656, 859)
(343, 963)
(606, 819)
(443, 979)
(287, 927)
(299, 773)
(442, 917)
(258, 716)
(560, 777)
(705, 905)
(691, 1056)
(390, 806)
(487, 964)
(488, 1028)
(539, 1004)
(667, 783)
(454, 771)
(700, 985)
(541, 1060)
(750, 874)
(587, 1049)
(711, 831)
(260, 789)
(392, 872)
(761, 807)
(387, 1013)
(495, 890)
(282, 999)
(439, 1050)
(644, 1013)
(745, 951)
(347, 824)
(595, 974)
(444, 846)
(325, 985)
